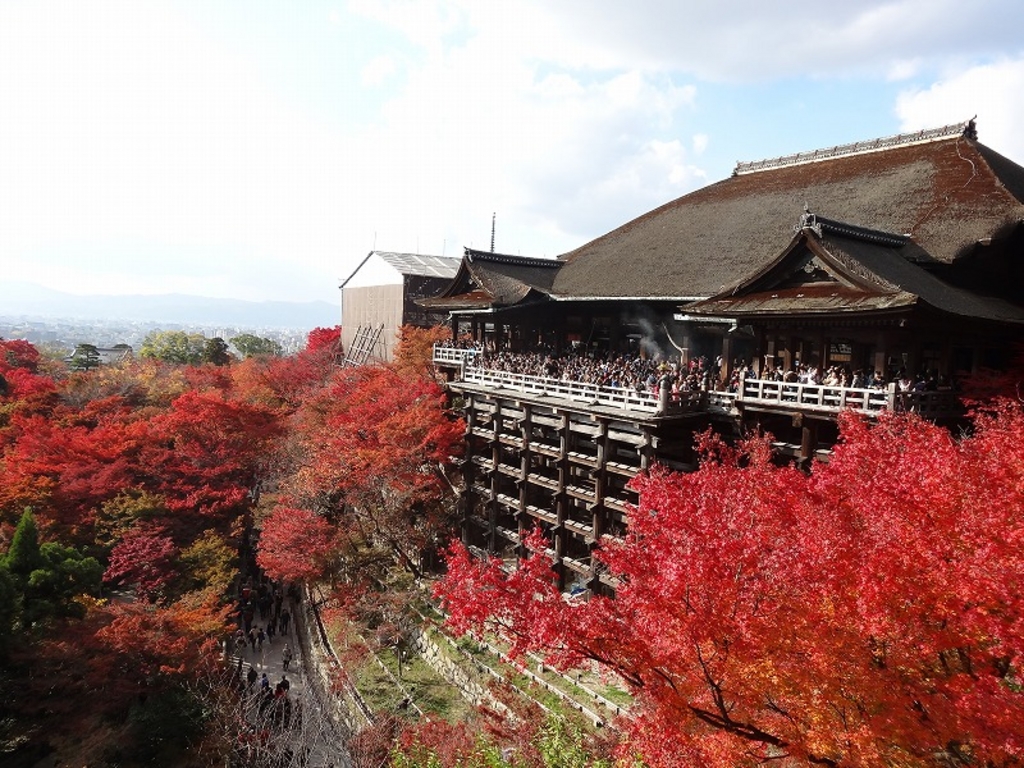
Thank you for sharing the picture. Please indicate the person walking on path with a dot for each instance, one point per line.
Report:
(240, 643)
(285, 618)
(286, 657)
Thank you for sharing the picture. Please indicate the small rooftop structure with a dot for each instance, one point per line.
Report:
(88, 356)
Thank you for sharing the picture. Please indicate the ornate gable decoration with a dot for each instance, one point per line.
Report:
(807, 270)
(819, 272)
(809, 261)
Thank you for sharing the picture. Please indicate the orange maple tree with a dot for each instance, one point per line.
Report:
(178, 639)
(374, 451)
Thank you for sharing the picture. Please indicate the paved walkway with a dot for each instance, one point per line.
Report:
(268, 660)
(291, 730)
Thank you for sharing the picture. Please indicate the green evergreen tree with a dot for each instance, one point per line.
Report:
(85, 357)
(216, 351)
(251, 345)
(23, 556)
(43, 580)
(174, 347)
(66, 574)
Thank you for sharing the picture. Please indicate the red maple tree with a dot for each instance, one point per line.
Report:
(67, 462)
(209, 451)
(865, 614)
(295, 544)
(323, 339)
(373, 454)
(22, 386)
(143, 560)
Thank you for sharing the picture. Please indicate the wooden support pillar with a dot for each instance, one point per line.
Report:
(526, 433)
(646, 450)
(726, 372)
(800, 351)
(468, 470)
(882, 354)
(808, 441)
(760, 353)
(561, 500)
(492, 502)
(598, 520)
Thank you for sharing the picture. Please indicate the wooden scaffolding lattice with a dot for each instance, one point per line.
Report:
(367, 346)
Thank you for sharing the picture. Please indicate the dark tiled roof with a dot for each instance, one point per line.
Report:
(947, 194)
(817, 300)
(495, 279)
(510, 278)
(909, 278)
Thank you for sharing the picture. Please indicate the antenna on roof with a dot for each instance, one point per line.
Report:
(493, 216)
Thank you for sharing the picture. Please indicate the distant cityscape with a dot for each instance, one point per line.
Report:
(64, 334)
(58, 322)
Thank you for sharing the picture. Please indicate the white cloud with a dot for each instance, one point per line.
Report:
(753, 40)
(484, 128)
(903, 69)
(378, 70)
(990, 92)
(145, 138)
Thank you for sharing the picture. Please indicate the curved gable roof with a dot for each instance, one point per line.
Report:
(496, 280)
(834, 268)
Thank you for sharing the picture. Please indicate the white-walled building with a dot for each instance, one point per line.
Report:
(379, 297)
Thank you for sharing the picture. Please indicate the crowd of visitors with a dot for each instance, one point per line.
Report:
(643, 374)
(263, 616)
(268, 600)
(646, 374)
(861, 378)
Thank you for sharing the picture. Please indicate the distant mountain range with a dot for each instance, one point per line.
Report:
(29, 300)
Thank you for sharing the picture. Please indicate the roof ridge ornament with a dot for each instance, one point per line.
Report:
(473, 255)
(808, 221)
(822, 226)
(966, 129)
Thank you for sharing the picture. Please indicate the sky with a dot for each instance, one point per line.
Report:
(259, 150)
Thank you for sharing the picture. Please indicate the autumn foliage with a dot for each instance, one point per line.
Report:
(144, 473)
(296, 545)
(867, 613)
(373, 453)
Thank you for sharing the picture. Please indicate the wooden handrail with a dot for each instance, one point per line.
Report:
(751, 391)
(832, 399)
